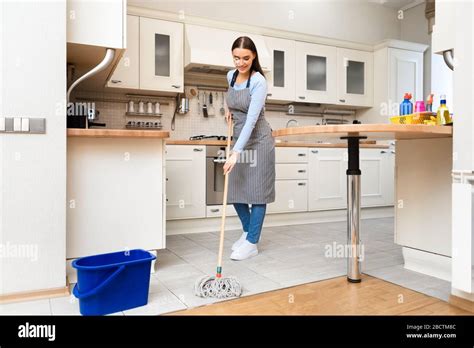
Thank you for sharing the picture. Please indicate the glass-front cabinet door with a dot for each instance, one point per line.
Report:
(355, 77)
(161, 55)
(281, 78)
(315, 73)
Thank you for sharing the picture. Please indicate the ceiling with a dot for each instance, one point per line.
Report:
(395, 4)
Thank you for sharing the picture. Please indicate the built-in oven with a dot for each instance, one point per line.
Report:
(215, 159)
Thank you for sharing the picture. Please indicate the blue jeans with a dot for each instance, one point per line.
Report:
(252, 219)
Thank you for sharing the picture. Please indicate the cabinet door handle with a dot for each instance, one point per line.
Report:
(175, 86)
(116, 81)
(392, 151)
(166, 179)
(314, 151)
(301, 184)
(214, 210)
(302, 97)
(269, 94)
(301, 171)
(342, 100)
(383, 151)
(197, 150)
(301, 154)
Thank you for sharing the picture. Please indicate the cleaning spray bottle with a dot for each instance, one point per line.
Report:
(429, 103)
(406, 107)
(443, 117)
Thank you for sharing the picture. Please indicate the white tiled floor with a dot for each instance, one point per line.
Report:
(289, 255)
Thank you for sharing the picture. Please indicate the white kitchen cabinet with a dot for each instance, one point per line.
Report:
(327, 187)
(290, 196)
(281, 78)
(398, 69)
(97, 23)
(127, 71)
(406, 72)
(161, 55)
(354, 77)
(375, 182)
(185, 181)
(316, 75)
(291, 184)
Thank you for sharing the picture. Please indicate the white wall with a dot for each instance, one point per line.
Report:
(352, 20)
(33, 167)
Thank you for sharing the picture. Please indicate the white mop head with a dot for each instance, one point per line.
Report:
(211, 286)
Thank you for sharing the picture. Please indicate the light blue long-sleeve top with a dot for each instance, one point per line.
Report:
(258, 92)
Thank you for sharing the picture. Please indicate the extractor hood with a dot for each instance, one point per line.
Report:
(208, 50)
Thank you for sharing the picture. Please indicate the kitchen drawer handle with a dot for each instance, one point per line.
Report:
(342, 100)
(197, 150)
(116, 81)
(301, 171)
(301, 154)
(269, 94)
(301, 184)
(176, 86)
(214, 210)
(383, 151)
(314, 151)
(302, 97)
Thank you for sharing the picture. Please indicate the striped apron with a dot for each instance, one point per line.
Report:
(252, 180)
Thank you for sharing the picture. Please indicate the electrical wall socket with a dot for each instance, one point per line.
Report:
(22, 125)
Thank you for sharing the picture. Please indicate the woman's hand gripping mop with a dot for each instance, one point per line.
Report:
(218, 286)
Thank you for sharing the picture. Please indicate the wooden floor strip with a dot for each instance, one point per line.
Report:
(336, 296)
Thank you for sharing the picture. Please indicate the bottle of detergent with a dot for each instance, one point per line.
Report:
(406, 107)
(443, 117)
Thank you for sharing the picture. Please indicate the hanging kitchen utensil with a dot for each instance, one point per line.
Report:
(199, 102)
(222, 109)
(211, 106)
(204, 107)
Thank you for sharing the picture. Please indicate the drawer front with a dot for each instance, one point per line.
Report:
(184, 151)
(216, 211)
(291, 155)
(291, 171)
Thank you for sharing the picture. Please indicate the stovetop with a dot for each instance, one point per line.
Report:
(214, 137)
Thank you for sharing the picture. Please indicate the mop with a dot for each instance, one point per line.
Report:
(218, 286)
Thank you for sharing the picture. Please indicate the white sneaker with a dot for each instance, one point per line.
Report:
(245, 251)
(239, 242)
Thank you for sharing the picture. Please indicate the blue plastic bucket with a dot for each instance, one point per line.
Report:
(113, 282)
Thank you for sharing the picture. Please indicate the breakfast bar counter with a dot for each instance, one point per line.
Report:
(423, 163)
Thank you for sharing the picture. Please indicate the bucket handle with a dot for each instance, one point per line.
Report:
(94, 291)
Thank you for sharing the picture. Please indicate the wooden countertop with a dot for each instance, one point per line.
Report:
(372, 131)
(277, 144)
(116, 133)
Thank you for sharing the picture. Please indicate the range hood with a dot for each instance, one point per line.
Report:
(208, 50)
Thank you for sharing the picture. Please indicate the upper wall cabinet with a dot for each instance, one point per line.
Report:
(354, 77)
(96, 23)
(316, 73)
(281, 78)
(161, 55)
(126, 74)
(154, 57)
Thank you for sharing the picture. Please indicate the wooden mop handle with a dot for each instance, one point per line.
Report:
(224, 202)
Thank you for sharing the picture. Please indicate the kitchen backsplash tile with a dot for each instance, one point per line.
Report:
(113, 107)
